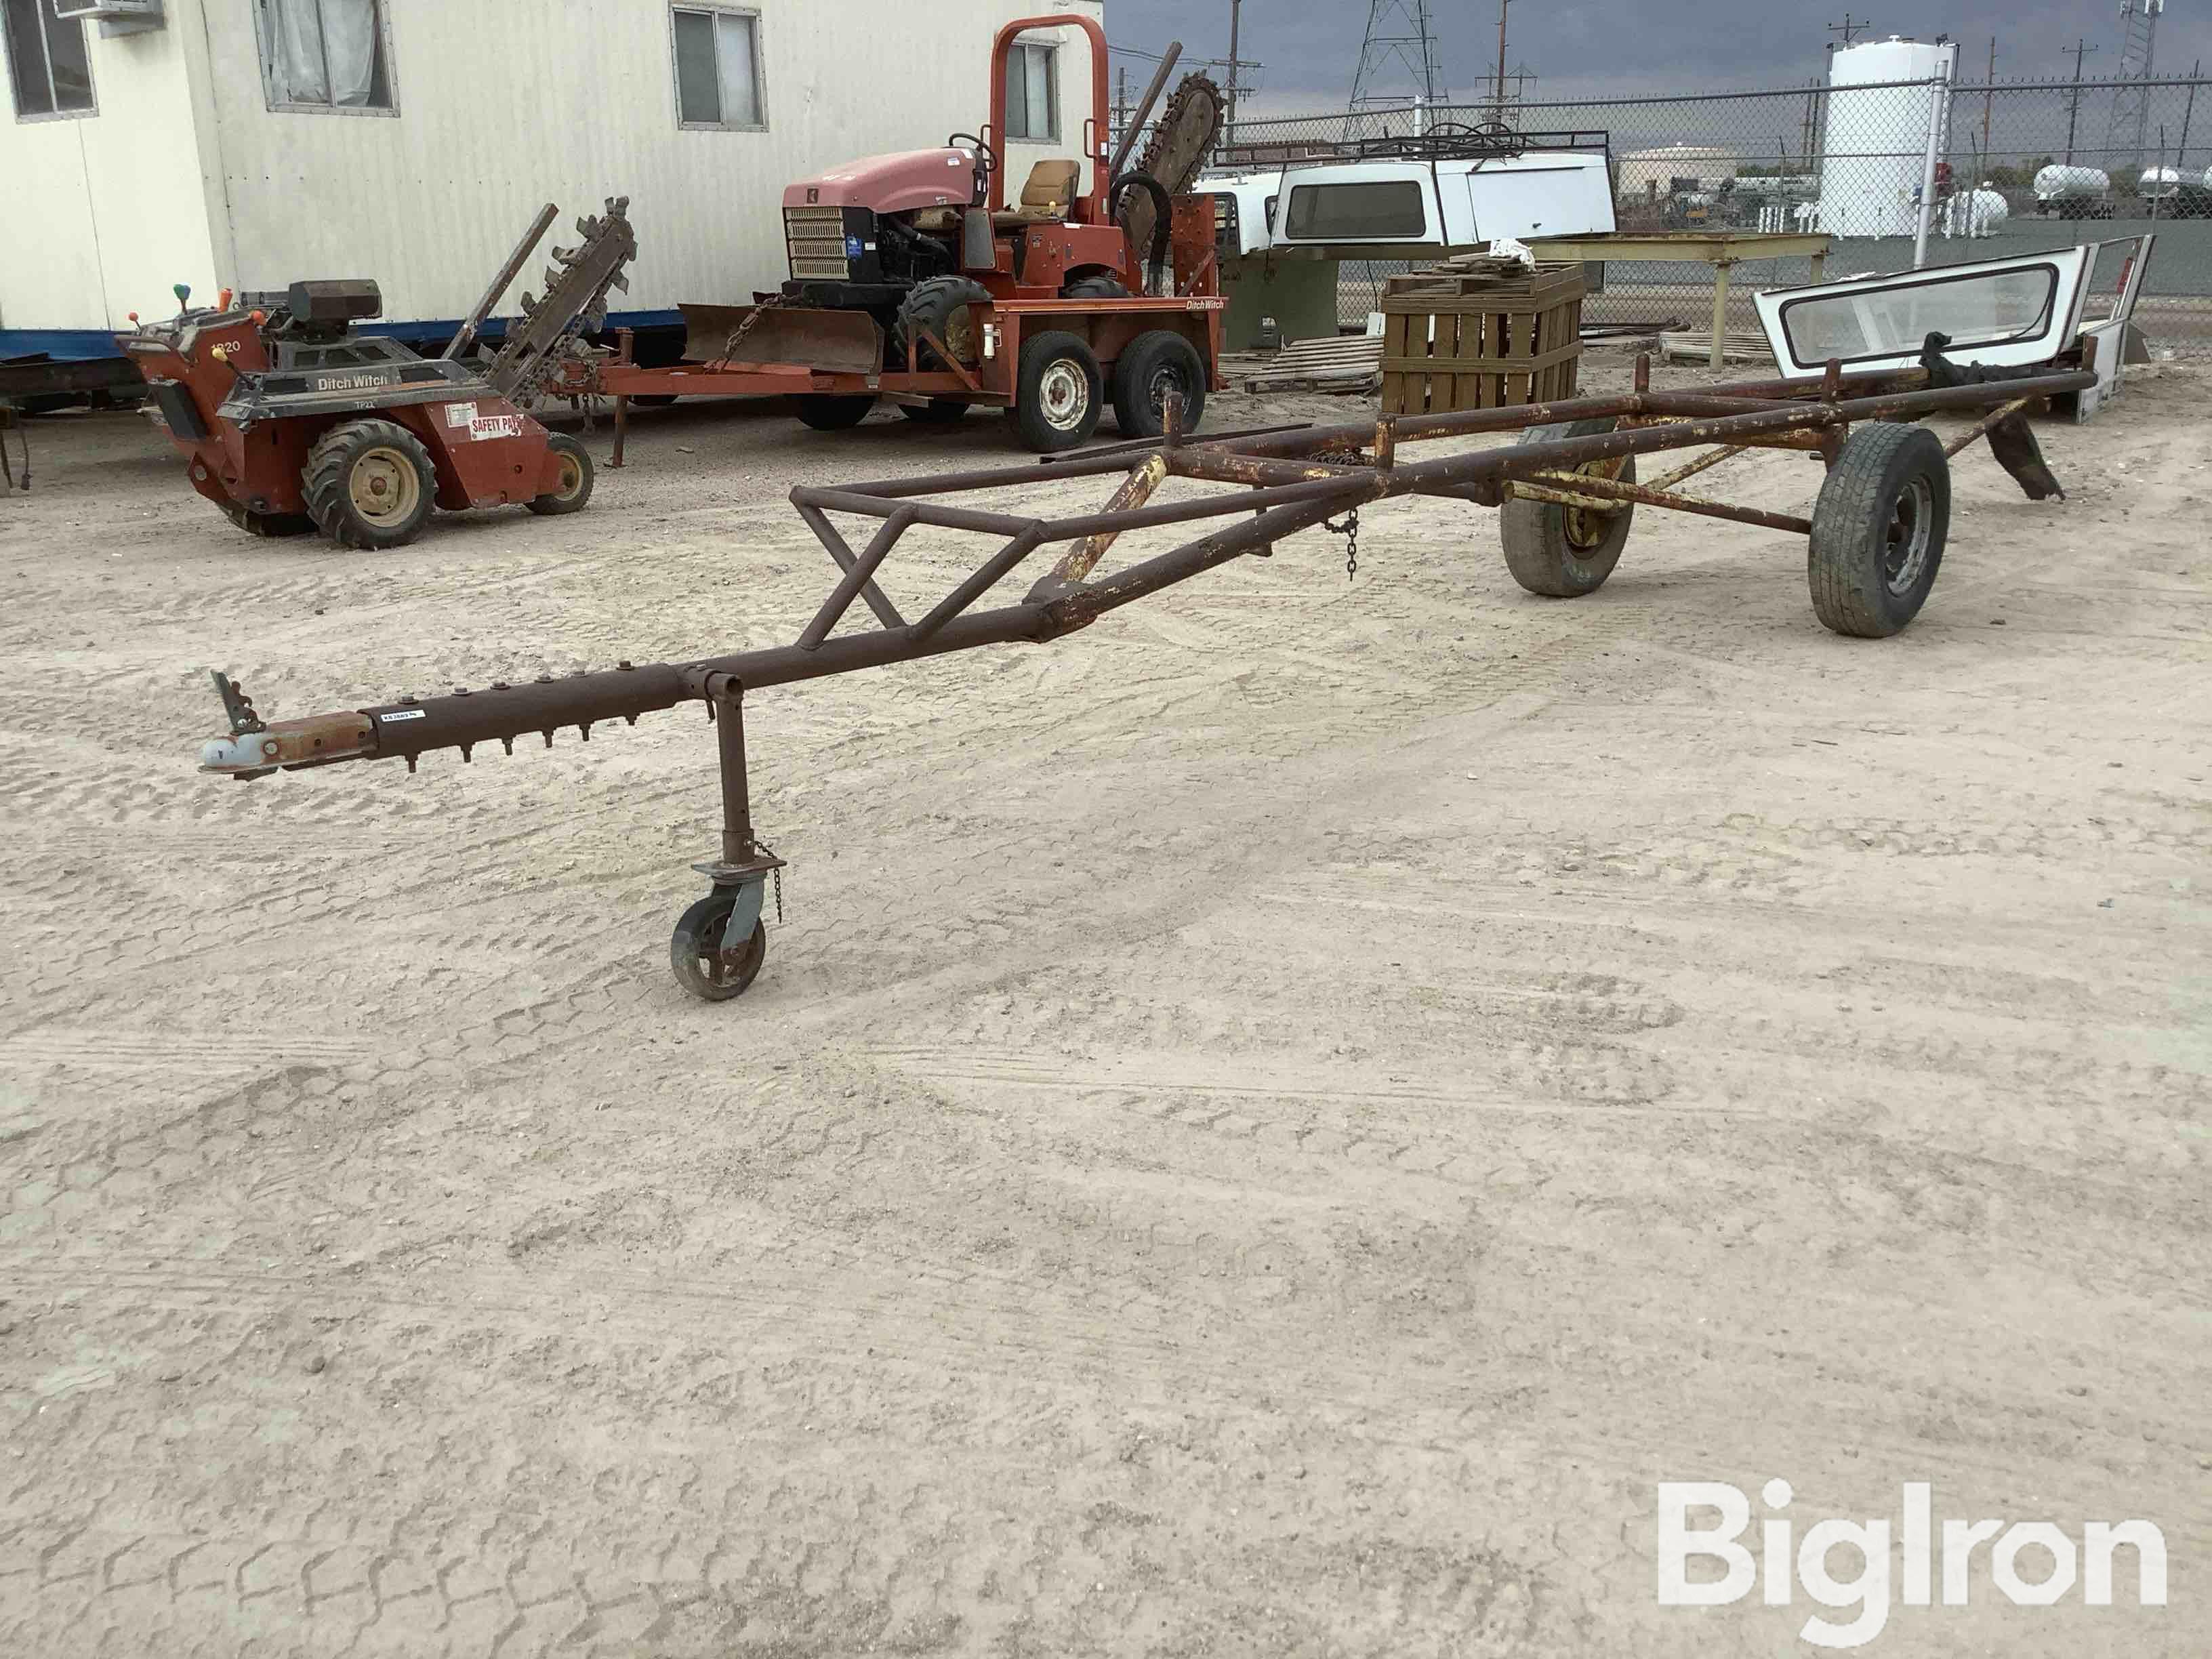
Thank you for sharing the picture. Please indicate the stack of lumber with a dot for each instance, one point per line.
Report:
(1697, 345)
(1467, 273)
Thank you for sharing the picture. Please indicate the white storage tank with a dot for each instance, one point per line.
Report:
(2060, 183)
(1876, 148)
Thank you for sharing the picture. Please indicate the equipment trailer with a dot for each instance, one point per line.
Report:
(914, 276)
(1568, 489)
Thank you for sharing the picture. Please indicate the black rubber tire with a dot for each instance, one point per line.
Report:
(1056, 357)
(1142, 375)
(273, 526)
(938, 411)
(1879, 527)
(327, 480)
(1555, 550)
(940, 304)
(828, 413)
(653, 399)
(571, 497)
(1096, 287)
(694, 950)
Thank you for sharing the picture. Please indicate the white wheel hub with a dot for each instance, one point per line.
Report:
(1064, 394)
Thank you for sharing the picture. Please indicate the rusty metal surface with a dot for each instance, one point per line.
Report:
(1290, 482)
(783, 336)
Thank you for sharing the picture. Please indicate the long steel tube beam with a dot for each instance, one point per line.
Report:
(1054, 606)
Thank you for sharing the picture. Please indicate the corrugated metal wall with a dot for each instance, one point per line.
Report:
(505, 104)
(107, 210)
(186, 175)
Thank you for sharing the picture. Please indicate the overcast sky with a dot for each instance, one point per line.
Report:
(1585, 48)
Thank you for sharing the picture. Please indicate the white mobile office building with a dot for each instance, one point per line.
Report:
(245, 143)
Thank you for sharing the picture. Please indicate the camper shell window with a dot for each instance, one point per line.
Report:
(1992, 308)
(1356, 213)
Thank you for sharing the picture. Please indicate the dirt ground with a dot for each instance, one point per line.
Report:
(1268, 1129)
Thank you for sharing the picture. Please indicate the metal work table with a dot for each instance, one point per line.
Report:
(1722, 250)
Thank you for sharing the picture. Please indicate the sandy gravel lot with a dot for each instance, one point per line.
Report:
(1268, 1127)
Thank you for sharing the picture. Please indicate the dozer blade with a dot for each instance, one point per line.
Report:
(832, 342)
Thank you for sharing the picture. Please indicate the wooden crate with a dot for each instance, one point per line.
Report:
(1477, 336)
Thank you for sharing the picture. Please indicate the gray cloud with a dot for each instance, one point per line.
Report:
(1588, 48)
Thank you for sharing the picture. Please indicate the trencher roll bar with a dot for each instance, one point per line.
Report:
(1875, 538)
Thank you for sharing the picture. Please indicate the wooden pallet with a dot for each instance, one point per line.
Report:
(1340, 363)
(1697, 344)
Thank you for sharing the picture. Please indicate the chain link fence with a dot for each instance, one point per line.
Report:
(2020, 166)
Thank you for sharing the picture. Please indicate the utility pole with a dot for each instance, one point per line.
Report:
(1502, 5)
(1847, 28)
(1236, 16)
(1989, 92)
(2188, 111)
(2081, 49)
(1121, 104)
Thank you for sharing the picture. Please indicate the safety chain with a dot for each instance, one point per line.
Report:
(767, 851)
(1350, 531)
(1346, 455)
(730, 345)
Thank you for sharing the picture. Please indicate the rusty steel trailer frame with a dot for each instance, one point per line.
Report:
(1288, 480)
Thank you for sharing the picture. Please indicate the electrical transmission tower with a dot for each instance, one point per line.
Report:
(1398, 61)
(2128, 133)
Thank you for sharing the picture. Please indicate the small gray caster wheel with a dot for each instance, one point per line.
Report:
(703, 965)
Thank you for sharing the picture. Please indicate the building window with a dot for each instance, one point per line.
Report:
(717, 67)
(1354, 213)
(324, 54)
(1033, 93)
(46, 65)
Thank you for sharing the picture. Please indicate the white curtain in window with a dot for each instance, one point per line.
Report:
(350, 42)
(321, 51)
(296, 52)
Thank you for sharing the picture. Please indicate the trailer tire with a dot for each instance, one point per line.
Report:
(1562, 552)
(369, 484)
(576, 479)
(939, 305)
(1058, 392)
(1879, 527)
(831, 412)
(1150, 365)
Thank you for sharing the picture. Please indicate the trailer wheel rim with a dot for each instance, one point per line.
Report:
(1064, 394)
(383, 486)
(1586, 531)
(1166, 379)
(1906, 537)
(572, 477)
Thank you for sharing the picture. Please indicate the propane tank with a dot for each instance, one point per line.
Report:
(2061, 183)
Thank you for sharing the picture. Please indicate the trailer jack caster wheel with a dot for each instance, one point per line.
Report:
(705, 966)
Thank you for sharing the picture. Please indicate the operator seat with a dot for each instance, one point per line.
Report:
(1046, 198)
